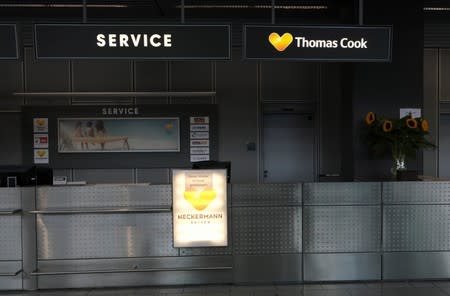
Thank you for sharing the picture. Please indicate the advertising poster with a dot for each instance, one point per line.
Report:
(200, 208)
(41, 156)
(85, 135)
(40, 140)
(40, 125)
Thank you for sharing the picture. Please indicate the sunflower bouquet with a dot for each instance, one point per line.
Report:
(399, 137)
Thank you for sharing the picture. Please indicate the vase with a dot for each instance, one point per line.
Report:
(399, 164)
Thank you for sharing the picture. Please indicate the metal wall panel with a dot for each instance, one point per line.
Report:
(13, 282)
(104, 176)
(416, 192)
(10, 198)
(104, 236)
(342, 193)
(104, 196)
(330, 229)
(416, 265)
(267, 230)
(342, 267)
(416, 228)
(10, 238)
(267, 269)
(153, 176)
(266, 194)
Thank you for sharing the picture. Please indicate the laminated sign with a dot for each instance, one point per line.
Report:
(200, 208)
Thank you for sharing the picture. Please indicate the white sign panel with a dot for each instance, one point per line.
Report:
(40, 140)
(204, 142)
(41, 156)
(414, 112)
(200, 128)
(40, 125)
(200, 208)
(199, 135)
(199, 150)
(199, 120)
(203, 157)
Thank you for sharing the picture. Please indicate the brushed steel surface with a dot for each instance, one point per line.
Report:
(135, 278)
(416, 265)
(267, 230)
(342, 267)
(101, 196)
(28, 239)
(266, 194)
(342, 193)
(9, 281)
(416, 228)
(416, 192)
(281, 268)
(10, 238)
(104, 236)
(10, 198)
(101, 211)
(333, 229)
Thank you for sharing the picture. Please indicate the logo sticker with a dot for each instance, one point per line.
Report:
(280, 42)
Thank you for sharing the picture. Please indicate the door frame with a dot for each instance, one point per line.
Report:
(306, 107)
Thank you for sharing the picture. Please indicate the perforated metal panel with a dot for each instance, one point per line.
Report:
(10, 238)
(266, 194)
(10, 198)
(104, 236)
(416, 228)
(271, 230)
(104, 196)
(416, 192)
(329, 229)
(342, 193)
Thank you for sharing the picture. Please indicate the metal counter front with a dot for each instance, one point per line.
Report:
(121, 235)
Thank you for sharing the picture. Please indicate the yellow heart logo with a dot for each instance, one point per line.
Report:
(40, 122)
(41, 153)
(200, 199)
(280, 42)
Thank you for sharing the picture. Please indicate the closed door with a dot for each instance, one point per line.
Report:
(444, 146)
(288, 148)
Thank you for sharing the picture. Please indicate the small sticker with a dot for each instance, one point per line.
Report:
(199, 142)
(200, 128)
(200, 135)
(199, 150)
(40, 140)
(199, 120)
(195, 158)
(40, 125)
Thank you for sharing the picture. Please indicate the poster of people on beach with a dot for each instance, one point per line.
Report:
(118, 135)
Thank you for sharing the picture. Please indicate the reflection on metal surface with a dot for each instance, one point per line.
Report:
(131, 270)
(100, 211)
(266, 195)
(342, 193)
(10, 211)
(416, 192)
(342, 267)
(14, 273)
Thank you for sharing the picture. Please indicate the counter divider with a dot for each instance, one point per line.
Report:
(101, 211)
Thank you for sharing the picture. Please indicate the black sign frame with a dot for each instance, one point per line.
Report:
(16, 42)
(36, 45)
(389, 51)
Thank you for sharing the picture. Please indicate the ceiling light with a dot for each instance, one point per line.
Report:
(436, 8)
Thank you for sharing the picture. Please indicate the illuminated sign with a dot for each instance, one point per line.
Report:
(318, 43)
(200, 208)
(113, 41)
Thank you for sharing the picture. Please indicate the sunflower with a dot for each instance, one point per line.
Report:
(411, 123)
(370, 118)
(424, 125)
(387, 126)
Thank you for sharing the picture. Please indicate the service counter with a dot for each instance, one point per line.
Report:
(121, 235)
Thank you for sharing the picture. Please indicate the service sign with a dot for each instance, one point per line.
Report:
(168, 42)
(318, 43)
(200, 208)
(8, 42)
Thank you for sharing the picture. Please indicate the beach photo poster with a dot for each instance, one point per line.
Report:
(86, 135)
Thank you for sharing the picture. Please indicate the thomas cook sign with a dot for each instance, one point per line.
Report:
(318, 43)
(170, 42)
(200, 208)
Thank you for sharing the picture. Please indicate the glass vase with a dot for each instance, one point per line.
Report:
(399, 164)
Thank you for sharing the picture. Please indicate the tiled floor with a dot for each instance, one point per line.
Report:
(439, 288)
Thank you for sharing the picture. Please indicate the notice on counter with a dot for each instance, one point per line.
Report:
(41, 156)
(40, 125)
(200, 208)
(40, 140)
(200, 127)
(200, 120)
